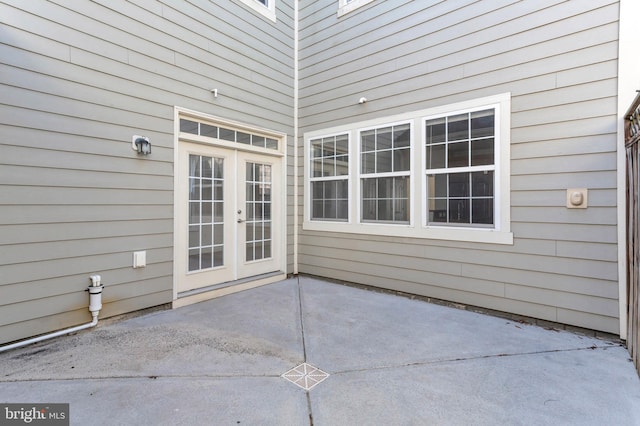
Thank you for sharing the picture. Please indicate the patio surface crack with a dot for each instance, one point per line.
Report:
(469, 358)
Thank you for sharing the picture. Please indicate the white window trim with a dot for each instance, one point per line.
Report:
(268, 11)
(418, 228)
(345, 6)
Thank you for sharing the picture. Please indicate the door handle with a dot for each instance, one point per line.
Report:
(240, 220)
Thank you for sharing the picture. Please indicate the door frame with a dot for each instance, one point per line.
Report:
(281, 152)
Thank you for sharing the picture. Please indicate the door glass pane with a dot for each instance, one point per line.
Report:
(258, 211)
(205, 215)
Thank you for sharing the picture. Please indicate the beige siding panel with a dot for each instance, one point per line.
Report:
(590, 144)
(572, 301)
(87, 265)
(566, 231)
(16, 215)
(554, 198)
(468, 298)
(525, 262)
(594, 179)
(34, 233)
(22, 292)
(595, 251)
(589, 320)
(563, 283)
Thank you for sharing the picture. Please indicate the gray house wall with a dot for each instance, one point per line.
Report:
(78, 79)
(559, 62)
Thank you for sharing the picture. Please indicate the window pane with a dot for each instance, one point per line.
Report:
(482, 123)
(342, 165)
(227, 135)
(369, 188)
(436, 130)
(401, 210)
(316, 149)
(369, 210)
(218, 164)
(459, 185)
(385, 187)
(330, 209)
(369, 162)
(244, 138)
(401, 136)
(458, 154)
(194, 189)
(342, 144)
(482, 211)
(458, 127)
(436, 156)
(330, 190)
(317, 168)
(188, 126)
(482, 152)
(482, 184)
(207, 235)
(368, 140)
(328, 147)
(459, 211)
(343, 210)
(207, 209)
(401, 160)
(437, 185)
(383, 138)
(385, 210)
(328, 167)
(209, 131)
(383, 163)
(342, 189)
(194, 165)
(271, 143)
(437, 210)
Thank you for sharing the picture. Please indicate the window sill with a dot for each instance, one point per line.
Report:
(474, 235)
(351, 6)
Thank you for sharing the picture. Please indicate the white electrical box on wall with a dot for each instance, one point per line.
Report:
(139, 259)
(577, 198)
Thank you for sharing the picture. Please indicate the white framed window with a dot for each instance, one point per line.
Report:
(264, 7)
(440, 173)
(330, 178)
(346, 6)
(385, 174)
(460, 168)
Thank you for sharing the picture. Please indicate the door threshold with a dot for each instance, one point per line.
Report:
(218, 290)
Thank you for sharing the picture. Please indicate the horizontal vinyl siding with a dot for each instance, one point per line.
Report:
(78, 80)
(559, 62)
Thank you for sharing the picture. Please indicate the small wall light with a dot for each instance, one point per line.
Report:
(141, 144)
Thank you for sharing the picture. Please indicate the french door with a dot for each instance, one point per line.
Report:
(229, 215)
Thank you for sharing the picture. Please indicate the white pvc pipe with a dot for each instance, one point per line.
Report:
(95, 304)
(50, 336)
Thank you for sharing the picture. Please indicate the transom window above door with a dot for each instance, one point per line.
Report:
(227, 134)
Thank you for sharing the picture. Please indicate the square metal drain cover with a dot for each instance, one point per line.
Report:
(305, 375)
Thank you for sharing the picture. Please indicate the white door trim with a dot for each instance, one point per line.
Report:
(241, 284)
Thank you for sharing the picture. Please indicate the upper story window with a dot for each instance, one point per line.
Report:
(346, 6)
(264, 7)
(441, 173)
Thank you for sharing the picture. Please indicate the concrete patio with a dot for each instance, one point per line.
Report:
(389, 360)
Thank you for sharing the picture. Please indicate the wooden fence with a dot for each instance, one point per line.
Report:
(632, 142)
